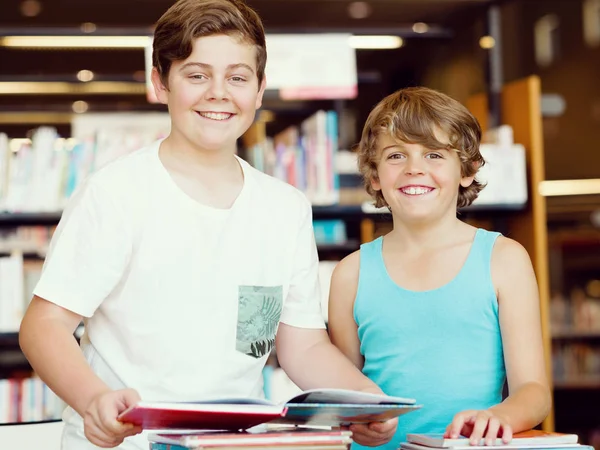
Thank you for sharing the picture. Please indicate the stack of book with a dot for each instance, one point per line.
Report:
(299, 439)
(532, 439)
(232, 423)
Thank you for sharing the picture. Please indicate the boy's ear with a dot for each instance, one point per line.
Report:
(261, 92)
(375, 184)
(161, 91)
(468, 181)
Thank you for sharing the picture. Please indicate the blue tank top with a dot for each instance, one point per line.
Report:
(441, 347)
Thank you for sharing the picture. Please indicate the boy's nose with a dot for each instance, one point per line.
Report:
(217, 91)
(414, 166)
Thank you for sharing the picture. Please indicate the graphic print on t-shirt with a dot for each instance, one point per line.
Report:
(259, 310)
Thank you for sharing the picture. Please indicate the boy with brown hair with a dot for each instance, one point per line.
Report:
(437, 308)
(183, 272)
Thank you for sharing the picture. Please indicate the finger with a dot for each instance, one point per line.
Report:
(368, 441)
(479, 427)
(367, 430)
(507, 433)
(384, 427)
(96, 425)
(362, 434)
(128, 397)
(492, 431)
(104, 417)
(110, 424)
(457, 424)
(362, 429)
(134, 430)
(447, 431)
(101, 440)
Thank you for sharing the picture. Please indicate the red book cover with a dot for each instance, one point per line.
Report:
(199, 416)
(327, 407)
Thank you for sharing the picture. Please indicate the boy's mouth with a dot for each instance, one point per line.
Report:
(416, 190)
(213, 115)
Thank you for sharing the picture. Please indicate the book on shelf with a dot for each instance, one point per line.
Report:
(317, 407)
(524, 439)
(298, 438)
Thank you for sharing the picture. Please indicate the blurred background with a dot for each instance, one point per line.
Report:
(74, 95)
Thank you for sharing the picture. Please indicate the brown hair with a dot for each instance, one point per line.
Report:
(187, 20)
(412, 115)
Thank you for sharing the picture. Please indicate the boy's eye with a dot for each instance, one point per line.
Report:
(238, 79)
(396, 156)
(197, 77)
(434, 156)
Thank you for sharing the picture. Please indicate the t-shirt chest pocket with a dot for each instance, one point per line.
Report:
(259, 311)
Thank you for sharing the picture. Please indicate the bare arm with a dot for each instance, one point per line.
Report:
(308, 356)
(46, 338)
(312, 361)
(529, 399)
(343, 330)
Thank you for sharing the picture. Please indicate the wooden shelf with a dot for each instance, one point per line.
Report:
(319, 212)
(578, 383)
(17, 219)
(346, 247)
(520, 108)
(9, 339)
(567, 333)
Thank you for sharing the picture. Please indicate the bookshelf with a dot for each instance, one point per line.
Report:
(563, 246)
(520, 108)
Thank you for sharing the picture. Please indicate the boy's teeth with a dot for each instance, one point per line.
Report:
(415, 190)
(215, 115)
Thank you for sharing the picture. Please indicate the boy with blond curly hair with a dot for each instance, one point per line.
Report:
(437, 308)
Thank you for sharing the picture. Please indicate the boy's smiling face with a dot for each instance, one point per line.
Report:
(418, 182)
(212, 95)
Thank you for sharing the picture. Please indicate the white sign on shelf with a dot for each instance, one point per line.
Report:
(505, 175)
(315, 66)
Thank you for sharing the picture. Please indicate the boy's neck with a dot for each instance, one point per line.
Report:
(210, 178)
(426, 234)
(185, 154)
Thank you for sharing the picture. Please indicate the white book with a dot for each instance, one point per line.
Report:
(531, 438)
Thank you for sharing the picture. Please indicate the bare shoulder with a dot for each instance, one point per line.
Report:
(508, 252)
(511, 264)
(344, 281)
(347, 268)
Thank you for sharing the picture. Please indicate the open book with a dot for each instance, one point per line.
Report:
(530, 438)
(322, 407)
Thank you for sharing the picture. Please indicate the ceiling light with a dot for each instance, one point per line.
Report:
(375, 42)
(487, 42)
(75, 41)
(80, 106)
(85, 75)
(359, 10)
(553, 188)
(31, 8)
(88, 27)
(420, 27)
(62, 88)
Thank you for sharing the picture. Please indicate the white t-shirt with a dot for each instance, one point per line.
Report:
(181, 301)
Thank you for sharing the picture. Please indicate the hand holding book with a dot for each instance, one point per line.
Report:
(101, 426)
